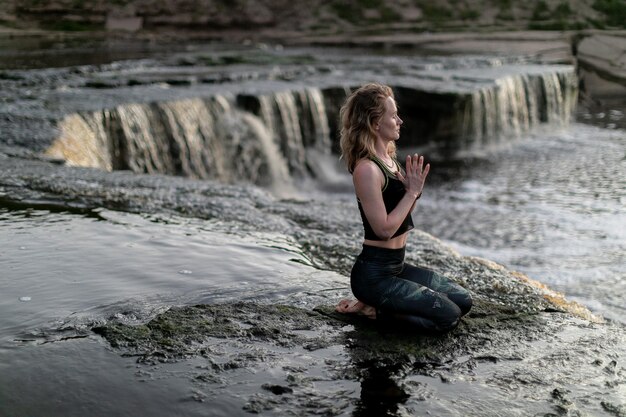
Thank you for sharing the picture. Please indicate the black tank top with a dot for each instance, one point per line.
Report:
(393, 191)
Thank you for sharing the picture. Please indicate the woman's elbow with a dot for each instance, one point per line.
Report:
(384, 234)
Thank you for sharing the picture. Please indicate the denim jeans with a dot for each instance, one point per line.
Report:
(415, 297)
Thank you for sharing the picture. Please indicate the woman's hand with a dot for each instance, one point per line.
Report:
(415, 175)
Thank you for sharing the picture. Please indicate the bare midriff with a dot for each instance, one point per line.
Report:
(393, 243)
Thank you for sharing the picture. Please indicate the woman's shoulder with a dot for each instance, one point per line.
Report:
(365, 165)
(366, 168)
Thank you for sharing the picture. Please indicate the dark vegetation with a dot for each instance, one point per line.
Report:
(330, 17)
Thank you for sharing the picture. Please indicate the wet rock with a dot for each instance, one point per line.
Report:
(277, 389)
(182, 332)
(602, 66)
(618, 411)
(330, 241)
(521, 339)
(239, 337)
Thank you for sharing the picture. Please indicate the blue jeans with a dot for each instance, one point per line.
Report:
(415, 297)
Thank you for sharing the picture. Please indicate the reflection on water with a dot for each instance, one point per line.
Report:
(63, 273)
(57, 265)
(381, 393)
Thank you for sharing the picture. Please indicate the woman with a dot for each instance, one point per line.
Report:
(385, 287)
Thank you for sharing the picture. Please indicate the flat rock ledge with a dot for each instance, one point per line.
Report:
(562, 365)
(522, 350)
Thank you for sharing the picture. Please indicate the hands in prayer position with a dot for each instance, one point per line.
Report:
(415, 174)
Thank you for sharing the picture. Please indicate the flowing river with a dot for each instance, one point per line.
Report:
(537, 188)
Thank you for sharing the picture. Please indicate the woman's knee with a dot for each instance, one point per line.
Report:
(445, 323)
(444, 313)
(450, 319)
(463, 300)
(416, 323)
(448, 325)
(465, 303)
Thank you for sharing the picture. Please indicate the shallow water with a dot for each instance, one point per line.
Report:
(72, 49)
(57, 265)
(63, 273)
(552, 206)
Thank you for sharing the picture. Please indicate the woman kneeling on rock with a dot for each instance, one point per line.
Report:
(386, 288)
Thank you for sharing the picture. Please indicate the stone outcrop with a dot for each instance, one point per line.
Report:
(600, 56)
(492, 347)
(602, 64)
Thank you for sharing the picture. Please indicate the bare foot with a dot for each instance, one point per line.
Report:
(356, 306)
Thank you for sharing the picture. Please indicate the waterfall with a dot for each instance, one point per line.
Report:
(280, 113)
(313, 104)
(515, 104)
(192, 128)
(211, 137)
(83, 142)
(298, 122)
(147, 148)
(270, 138)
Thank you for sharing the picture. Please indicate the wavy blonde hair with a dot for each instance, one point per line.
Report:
(359, 114)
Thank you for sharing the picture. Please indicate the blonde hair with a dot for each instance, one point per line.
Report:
(359, 114)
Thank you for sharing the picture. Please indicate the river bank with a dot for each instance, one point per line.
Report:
(589, 33)
(595, 53)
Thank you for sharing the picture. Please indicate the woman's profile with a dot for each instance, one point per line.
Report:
(386, 288)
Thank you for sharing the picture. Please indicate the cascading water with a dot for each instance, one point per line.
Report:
(516, 104)
(282, 115)
(202, 138)
(269, 138)
(147, 149)
(313, 100)
(191, 123)
(83, 141)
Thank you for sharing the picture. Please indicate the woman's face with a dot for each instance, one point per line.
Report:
(388, 127)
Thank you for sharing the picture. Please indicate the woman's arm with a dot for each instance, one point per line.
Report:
(368, 182)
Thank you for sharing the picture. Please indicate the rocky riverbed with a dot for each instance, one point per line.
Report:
(523, 350)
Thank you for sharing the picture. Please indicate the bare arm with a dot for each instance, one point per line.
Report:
(368, 181)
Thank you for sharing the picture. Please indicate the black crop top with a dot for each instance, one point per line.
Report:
(393, 191)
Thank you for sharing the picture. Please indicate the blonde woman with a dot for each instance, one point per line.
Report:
(387, 289)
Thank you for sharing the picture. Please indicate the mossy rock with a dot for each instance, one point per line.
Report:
(184, 332)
